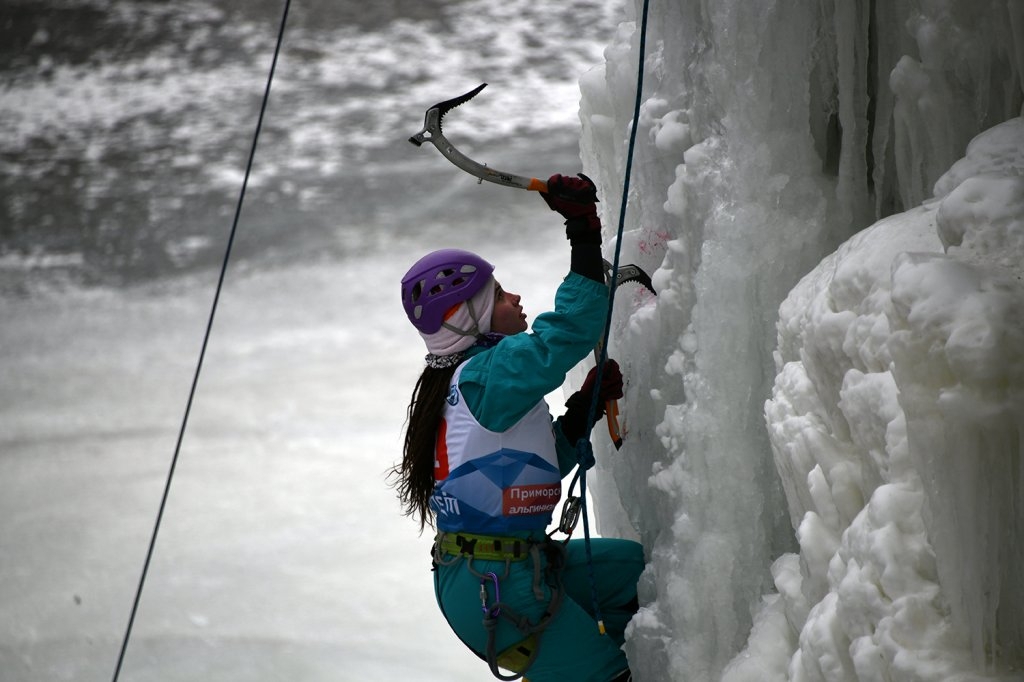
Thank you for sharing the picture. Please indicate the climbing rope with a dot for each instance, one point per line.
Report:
(584, 448)
(202, 351)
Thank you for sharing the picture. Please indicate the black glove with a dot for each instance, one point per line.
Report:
(611, 382)
(575, 199)
(577, 407)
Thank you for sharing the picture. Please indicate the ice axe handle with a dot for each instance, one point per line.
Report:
(611, 415)
(611, 411)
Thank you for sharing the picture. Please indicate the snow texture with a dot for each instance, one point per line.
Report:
(825, 401)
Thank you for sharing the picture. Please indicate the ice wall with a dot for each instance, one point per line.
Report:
(897, 421)
(769, 134)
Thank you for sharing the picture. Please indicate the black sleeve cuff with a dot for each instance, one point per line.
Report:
(574, 421)
(586, 260)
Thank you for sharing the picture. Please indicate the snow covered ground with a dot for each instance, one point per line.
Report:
(824, 461)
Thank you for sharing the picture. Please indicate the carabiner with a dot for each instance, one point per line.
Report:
(483, 594)
(570, 514)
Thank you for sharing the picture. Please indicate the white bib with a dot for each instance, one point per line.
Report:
(491, 482)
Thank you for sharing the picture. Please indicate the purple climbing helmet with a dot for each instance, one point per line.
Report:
(438, 282)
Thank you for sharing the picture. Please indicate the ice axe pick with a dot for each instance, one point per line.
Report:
(433, 133)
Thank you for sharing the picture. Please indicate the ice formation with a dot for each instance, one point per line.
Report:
(826, 398)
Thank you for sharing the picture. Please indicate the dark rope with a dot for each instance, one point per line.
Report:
(584, 447)
(202, 352)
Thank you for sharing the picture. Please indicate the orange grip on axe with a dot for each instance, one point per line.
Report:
(611, 409)
(611, 414)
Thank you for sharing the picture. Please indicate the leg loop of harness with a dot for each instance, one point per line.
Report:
(537, 591)
(520, 656)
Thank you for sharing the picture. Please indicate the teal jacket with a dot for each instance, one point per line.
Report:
(502, 383)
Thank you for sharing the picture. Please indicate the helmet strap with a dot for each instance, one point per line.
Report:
(472, 331)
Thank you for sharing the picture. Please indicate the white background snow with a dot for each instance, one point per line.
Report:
(824, 404)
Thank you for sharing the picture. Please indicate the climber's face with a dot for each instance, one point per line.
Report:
(508, 316)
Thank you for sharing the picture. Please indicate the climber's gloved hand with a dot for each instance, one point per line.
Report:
(611, 382)
(577, 407)
(571, 197)
(575, 199)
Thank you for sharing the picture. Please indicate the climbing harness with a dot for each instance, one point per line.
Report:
(452, 548)
(484, 547)
(202, 351)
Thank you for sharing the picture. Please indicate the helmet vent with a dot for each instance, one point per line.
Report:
(417, 291)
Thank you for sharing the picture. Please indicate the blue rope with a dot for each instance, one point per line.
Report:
(584, 448)
(202, 354)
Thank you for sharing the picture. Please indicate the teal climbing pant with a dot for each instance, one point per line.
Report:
(571, 648)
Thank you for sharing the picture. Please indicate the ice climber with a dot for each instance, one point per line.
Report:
(483, 460)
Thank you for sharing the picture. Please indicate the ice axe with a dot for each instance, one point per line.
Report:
(625, 273)
(432, 133)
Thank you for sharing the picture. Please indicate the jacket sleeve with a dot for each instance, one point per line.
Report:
(568, 457)
(502, 384)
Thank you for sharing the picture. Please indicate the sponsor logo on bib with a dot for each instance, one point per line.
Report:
(527, 500)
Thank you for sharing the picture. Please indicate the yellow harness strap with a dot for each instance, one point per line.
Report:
(484, 547)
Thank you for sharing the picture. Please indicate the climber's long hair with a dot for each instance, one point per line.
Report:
(414, 477)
